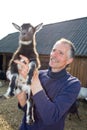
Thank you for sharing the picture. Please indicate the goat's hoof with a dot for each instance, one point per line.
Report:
(3, 97)
(30, 122)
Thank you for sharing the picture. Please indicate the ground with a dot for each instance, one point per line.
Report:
(10, 115)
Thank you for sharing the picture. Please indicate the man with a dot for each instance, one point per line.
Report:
(54, 90)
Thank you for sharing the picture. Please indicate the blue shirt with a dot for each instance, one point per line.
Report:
(53, 102)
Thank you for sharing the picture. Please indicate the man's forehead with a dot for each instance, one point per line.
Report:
(61, 47)
(57, 44)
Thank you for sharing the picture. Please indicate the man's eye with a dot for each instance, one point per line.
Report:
(60, 52)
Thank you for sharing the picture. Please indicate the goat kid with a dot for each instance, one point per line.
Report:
(27, 47)
(74, 110)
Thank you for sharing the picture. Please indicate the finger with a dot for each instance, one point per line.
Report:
(22, 66)
(36, 73)
(25, 59)
(23, 72)
(19, 62)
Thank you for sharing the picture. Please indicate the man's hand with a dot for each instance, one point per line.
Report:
(24, 69)
(22, 98)
(36, 85)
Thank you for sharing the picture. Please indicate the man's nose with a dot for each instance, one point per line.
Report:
(53, 54)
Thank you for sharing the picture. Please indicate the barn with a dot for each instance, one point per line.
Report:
(74, 30)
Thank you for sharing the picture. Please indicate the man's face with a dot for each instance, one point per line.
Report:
(59, 57)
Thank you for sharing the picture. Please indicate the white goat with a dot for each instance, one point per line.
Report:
(83, 93)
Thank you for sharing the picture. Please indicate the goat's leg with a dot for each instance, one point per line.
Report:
(12, 85)
(77, 113)
(10, 90)
(69, 116)
(29, 112)
(32, 67)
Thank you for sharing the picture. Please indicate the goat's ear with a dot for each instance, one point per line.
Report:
(38, 27)
(16, 26)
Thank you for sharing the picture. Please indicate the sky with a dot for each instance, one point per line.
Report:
(38, 11)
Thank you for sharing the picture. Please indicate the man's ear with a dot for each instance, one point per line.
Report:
(69, 61)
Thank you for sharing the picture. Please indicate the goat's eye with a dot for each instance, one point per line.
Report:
(23, 33)
(53, 50)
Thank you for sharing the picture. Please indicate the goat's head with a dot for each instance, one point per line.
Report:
(27, 31)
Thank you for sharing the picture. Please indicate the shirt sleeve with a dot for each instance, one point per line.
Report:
(52, 111)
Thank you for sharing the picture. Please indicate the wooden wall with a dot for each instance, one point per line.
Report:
(79, 69)
(5, 60)
(44, 61)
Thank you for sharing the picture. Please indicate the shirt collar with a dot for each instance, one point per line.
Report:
(56, 75)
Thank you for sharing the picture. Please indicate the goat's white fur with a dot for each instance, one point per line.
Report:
(24, 43)
(83, 93)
